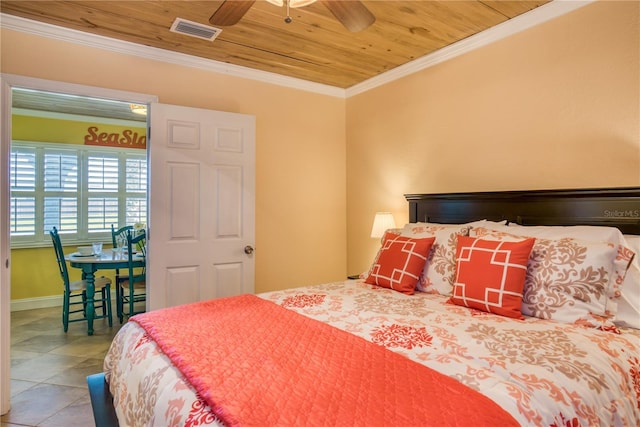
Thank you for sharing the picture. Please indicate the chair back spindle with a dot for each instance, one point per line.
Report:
(134, 286)
(62, 263)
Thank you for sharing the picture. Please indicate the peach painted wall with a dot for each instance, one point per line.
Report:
(555, 106)
(300, 147)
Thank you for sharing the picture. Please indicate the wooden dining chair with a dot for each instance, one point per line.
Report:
(134, 287)
(75, 292)
(119, 240)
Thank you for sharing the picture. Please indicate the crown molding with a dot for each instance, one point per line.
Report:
(512, 26)
(508, 28)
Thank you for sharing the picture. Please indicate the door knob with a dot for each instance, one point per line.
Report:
(248, 249)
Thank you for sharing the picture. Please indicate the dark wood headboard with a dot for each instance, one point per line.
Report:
(614, 207)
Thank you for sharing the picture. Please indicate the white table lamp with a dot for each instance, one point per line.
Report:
(381, 223)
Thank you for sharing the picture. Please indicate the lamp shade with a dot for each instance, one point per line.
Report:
(381, 223)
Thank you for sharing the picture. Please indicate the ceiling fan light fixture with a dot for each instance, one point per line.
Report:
(138, 109)
(352, 14)
(292, 3)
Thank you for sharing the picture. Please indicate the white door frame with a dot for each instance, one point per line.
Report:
(8, 82)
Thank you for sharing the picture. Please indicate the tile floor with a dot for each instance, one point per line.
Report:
(49, 368)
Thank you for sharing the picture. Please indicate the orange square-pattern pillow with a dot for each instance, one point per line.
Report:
(399, 263)
(490, 275)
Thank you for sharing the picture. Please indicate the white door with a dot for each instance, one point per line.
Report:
(202, 196)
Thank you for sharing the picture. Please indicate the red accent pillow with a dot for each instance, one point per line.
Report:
(399, 263)
(490, 275)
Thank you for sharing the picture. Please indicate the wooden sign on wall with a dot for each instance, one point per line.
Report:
(128, 138)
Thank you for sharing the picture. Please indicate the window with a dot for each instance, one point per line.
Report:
(81, 190)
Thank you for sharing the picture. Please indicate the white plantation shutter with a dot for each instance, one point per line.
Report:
(136, 171)
(60, 190)
(23, 186)
(61, 212)
(23, 216)
(136, 210)
(136, 190)
(80, 190)
(102, 206)
(102, 212)
(60, 171)
(23, 169)
(102, 174)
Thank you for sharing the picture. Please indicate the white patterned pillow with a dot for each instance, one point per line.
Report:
(439, 271)
(569, 280)
(590, 233)
(629, 304)
(628, 311)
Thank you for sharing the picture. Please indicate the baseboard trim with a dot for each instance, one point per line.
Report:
(43, 302)
(38, 302)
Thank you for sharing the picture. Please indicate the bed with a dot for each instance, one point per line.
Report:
(418, 339)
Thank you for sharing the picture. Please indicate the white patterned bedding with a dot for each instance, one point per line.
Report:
(542, 372)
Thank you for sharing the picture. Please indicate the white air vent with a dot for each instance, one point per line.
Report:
(195, 29)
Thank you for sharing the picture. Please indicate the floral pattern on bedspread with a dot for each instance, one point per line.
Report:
(542, 372)
(132, 356)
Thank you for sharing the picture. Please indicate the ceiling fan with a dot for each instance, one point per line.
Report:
(352, 14)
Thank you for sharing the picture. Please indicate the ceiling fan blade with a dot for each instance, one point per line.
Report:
(352, 14)
(230, 12)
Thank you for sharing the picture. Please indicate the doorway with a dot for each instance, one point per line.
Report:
(205, 248)
(78, 92)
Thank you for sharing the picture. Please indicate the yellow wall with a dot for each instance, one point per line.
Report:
(555, 106)
(29, 128)
(34, 273)
(300, 223)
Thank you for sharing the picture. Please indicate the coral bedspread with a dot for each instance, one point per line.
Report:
(541, 372)
(262, 364)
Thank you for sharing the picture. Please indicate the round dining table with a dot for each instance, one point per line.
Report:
(107, 260)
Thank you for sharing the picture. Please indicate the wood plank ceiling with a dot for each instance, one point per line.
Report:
(314, 47)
